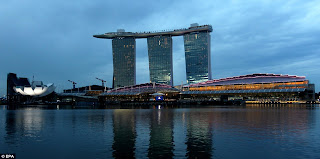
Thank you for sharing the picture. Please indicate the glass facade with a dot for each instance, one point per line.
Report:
(124, 61)
(197, 55)
(160, 59)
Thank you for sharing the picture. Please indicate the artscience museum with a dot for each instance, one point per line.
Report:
(37, 88)
(22, 86)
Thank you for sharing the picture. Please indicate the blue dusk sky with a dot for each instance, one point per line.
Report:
(52, 39)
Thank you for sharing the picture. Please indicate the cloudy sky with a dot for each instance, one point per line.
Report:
(52, 39)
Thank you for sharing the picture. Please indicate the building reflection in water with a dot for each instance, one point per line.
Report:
(164, 133)
(124, 132)
(26, 124)
(275, 132)
(143, 132)
(179, 133)
(10, 127)
(26, 131)
(199, 135)
(161, 134)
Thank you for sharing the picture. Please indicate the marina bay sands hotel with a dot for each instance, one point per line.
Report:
(197, 54)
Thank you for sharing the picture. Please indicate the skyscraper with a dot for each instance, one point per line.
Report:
(197, 53)
(197, 56)
(160, 59)
(124, 61)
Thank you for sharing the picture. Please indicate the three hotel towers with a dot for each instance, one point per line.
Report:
(197, 54)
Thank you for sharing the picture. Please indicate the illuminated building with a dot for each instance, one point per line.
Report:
(255, 86)
(160, 59)
(22, 86)
(124, 61)
(141, 92)
(197, 56)
(197, 50)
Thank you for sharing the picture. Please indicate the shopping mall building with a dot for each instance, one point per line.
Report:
(253, 87)
(250, 88)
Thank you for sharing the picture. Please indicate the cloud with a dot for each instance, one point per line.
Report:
(53, 39)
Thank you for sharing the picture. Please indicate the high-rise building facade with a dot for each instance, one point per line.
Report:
(197, 53)
(124, 61)
(160, 59)
(197, 56)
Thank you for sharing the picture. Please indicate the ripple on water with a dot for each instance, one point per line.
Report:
(252, 132)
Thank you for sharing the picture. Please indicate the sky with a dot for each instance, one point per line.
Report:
(52, 40)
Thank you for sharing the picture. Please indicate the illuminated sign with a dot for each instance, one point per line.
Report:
(159, 98)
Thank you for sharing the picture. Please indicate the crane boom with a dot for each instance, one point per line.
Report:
(73, 84)
(103, 81)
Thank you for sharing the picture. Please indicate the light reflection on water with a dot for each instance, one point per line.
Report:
(206, 132)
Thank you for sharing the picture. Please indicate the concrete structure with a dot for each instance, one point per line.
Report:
(197, 48)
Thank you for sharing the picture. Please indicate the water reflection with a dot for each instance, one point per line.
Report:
(250, 132)
(199, 135)
(124, 133)
(27, 124)
(143, 133)
(161, 134)
(26, 131)
(10, 127)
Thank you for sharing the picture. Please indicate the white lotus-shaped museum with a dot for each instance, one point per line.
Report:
(36, 89)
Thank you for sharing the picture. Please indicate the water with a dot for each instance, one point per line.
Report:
(206, 132)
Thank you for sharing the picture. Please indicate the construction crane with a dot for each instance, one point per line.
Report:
(101, 81)
(73, 83)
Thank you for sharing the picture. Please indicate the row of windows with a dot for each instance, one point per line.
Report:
(197, 55)
(124, 55)
(160, 59)
(287, 85)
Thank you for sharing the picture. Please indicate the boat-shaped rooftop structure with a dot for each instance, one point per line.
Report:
(146, 34)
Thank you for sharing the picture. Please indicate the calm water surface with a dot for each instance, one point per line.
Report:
(206, 132)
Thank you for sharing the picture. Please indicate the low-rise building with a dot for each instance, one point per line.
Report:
(256, 87)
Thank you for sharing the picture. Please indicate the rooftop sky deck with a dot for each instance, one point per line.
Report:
(175, 32)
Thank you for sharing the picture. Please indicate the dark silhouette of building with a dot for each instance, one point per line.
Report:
(87, 89)
(12, 81)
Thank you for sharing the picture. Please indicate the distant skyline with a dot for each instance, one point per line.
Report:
(52, 40)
